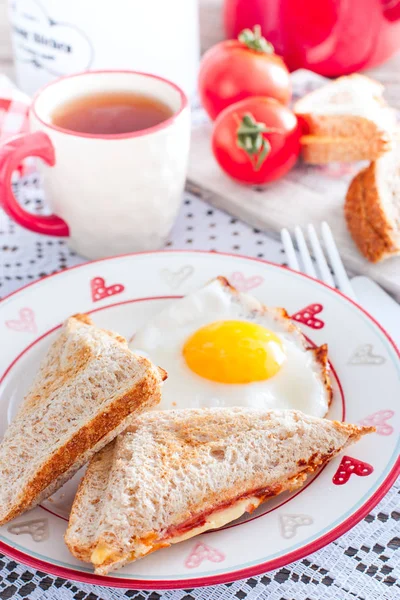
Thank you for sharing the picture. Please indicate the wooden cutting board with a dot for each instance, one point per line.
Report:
(308, 194)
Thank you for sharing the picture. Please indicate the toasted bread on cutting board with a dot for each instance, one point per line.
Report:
(346, 120)
(372, 207)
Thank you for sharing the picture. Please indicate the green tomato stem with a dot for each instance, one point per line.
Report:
(249, 137)
(255, 41)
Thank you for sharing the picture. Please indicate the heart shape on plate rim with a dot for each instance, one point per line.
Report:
(244, 284)
(26, 321)
(290, 524)
(379, 420)
(364, 355)
(203, 552)
(38, 529)
(307, 316)
(175, 278)
(100, 290)
(349, 466)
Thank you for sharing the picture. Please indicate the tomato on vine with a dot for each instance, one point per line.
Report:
(237, 69)
(257, 140)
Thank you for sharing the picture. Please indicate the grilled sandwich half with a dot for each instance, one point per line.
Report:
(175, 474)
(88, 389)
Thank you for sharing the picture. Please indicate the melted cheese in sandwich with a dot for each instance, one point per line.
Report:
(103, 552)
(220, 518)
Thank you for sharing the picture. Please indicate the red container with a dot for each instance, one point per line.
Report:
(330, 37)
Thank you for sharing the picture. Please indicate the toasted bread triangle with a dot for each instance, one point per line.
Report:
(177, 473)
(89, 387)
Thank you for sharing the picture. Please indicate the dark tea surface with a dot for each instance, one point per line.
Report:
(111, 113)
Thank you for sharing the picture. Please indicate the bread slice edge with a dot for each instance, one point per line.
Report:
(322, 150)
(366, 219)
(88, 440)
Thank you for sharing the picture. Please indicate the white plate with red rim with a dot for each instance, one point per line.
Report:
(121, 293)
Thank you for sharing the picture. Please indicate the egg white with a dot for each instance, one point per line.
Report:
(298, 385)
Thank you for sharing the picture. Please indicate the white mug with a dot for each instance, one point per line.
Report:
(110, 194)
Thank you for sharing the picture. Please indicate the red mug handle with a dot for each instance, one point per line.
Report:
(11, 154)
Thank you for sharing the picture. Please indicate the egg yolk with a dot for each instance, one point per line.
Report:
(234, 352)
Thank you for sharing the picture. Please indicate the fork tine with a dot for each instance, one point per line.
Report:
(336, 261)
(309, 268)
(289, 250)
(326, 275)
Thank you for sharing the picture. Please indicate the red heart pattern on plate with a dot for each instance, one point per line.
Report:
(26, 321)
(101, 291)
(379, 420)
(349, 466)
(244, 284)
(307, 316)
(202, 552)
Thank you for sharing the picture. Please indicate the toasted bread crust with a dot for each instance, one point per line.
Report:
(323, 150)
(74, 544)
(84, 318)
(356, 432)
(342, 126)
(80, 448)
(366, 219)
(321, 357)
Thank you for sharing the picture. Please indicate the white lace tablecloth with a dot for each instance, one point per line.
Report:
(364, 564)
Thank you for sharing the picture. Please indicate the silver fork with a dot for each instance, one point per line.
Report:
(324, 274)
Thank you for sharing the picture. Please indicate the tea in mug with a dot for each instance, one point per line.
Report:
(111, 113)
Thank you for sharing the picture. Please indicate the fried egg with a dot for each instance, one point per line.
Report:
(221, 347)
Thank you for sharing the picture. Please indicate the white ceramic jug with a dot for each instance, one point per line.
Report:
(53, 38)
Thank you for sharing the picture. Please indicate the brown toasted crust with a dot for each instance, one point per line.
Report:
(143, 394)
(342, 126)
(83, 318)
(356, 431)
(366, 219)
(321, 357)
(79, 550)
(323, 150)
(163, 373)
